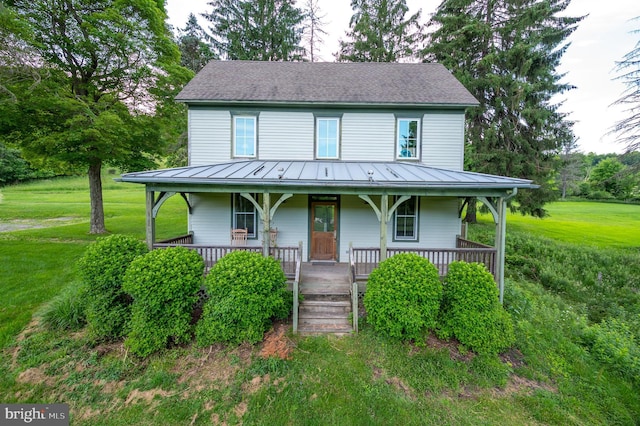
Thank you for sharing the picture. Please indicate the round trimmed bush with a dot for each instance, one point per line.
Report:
(471, 310)
(403, 296)
(246, 291)
(102, 268)
(164, 285)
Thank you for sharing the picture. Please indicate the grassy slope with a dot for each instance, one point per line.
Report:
(586, 223)
(363, 379)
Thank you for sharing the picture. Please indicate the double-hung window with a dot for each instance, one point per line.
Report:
(244, 215)
(327, 138)
(408, 138)
(405, 220)
(244, 136)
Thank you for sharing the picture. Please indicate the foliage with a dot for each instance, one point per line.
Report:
(403, 296)
(111, 63)
(614, 344)
(246, 290)
(258, 30)
(103, 268)
(195, 52)
(14, 168)
(612, 177)
(627, 128)
(505, 53)
(471, 310)
(164, 285)
(67, 311)
(379, 32)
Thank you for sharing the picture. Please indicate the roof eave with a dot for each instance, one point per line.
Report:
(332, 104)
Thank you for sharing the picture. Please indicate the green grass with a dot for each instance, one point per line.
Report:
(359, 380)
(584, 223)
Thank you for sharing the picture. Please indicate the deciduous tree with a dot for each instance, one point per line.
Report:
(113, 63)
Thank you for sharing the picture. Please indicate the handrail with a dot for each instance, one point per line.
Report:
(296, 287)
(353, 290)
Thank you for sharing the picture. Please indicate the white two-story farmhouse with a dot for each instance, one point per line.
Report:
(339, 157)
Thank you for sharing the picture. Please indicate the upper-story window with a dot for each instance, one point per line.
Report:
(408, 138)
(327, 138)
(405, 220)
(244, 136)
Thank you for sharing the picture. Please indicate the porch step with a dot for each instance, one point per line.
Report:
(325, 313)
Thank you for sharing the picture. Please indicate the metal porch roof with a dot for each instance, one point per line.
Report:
(388, 176)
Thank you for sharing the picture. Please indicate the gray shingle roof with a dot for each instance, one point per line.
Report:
(326, 83)
(326, 174)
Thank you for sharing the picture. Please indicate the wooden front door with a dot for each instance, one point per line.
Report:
(324, 228)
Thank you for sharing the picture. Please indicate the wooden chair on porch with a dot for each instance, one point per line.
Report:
(239, 237)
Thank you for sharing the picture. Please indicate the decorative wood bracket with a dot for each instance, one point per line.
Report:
(164, 196)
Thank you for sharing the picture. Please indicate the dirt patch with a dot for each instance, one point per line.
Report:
(215, 366)
(521, 385)
(276, 343)
(395, 382)
(513, 357)
(35, 376)
(240, 409)
(33, 325)
(146, 396)
(21, 224)
(452, 346)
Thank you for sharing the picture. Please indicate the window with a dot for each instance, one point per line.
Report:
(244, 136)
(405, 220)
(408, 141)
(244, 215)
(327, 137)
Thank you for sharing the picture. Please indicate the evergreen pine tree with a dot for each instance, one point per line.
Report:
(379, 32)
(195, 52)
(506, 53)
(259, 30)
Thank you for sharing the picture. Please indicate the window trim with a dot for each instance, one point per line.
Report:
(317, 137)
(398, 150)
(416, 221)
(234, 147)
(234, 224)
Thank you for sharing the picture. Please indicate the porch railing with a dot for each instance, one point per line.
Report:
(365, 260)
(287, 256)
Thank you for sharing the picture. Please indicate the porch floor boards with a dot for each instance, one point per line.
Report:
(326, 306)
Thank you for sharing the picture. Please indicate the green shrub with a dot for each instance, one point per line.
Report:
(164, 285)
(67, 311)
(471, 310)
(403, 296)
(612, 343)
(246, 291)
(102, 268)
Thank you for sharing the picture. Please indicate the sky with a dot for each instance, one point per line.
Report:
(602, 38)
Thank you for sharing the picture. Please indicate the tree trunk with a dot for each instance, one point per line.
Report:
(95, 193)
(470, 217)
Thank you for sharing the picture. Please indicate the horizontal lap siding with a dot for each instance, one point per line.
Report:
(210, 219)
(439, 222)
(358, 224)
(286, 135)
(292, 221)
(443, 140)
(209, 136)
(368, 136)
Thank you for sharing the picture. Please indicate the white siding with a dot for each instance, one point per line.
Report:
(286, 135)
(292, 221)
(368, 136)
(210, 219)
(439, 222)
(358, 224)
(209, 136)
(443, 140)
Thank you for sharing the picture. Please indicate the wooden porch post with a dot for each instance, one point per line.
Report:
(151, 221)
(384, 213)
(266, 223)
(501, 231)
